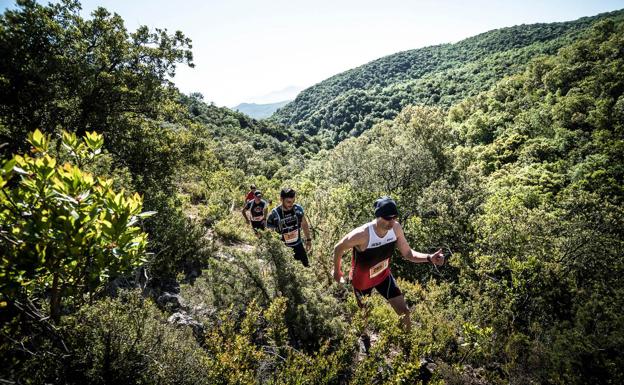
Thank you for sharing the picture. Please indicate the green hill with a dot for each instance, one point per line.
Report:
(351, 102)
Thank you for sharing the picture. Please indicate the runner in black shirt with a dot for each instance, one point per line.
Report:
(288, 219)
(257, 208)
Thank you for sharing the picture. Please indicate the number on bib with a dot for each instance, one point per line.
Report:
(291, 236)
(379, 268)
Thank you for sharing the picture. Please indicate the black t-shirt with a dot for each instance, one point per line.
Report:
(256, 209)
(287, 223)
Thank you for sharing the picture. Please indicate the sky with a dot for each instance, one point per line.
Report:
(262, 51)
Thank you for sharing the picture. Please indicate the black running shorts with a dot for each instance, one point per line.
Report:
(387, 288)
(257, 225)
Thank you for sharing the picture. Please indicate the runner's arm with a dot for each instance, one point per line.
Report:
(349, 241)
(306, 229)
(414, 256)
(272, 221)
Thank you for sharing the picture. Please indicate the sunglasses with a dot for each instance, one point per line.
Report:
(390, 218)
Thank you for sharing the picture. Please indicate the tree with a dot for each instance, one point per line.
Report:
(60, 70)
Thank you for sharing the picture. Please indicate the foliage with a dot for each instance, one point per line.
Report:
(349, 103)
(59, 69)
(64, 230)
(546, 216)
(121, 340)
(233, 229)
(505, 149)
(256, 147)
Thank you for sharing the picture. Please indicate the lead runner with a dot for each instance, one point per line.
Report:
(373, 244)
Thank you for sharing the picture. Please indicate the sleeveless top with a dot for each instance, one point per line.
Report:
(287, 223)
(370, 267)
(256, 209)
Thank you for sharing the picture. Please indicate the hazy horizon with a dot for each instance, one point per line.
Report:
(246, 50)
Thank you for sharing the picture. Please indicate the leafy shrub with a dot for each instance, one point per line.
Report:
(65, 232)
(234, 229)
(123, 340)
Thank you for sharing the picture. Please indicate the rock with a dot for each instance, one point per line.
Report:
(181, 318)
(169, 301)
(204, 312)
(427, 367)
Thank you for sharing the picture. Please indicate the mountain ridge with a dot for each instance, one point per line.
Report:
(260, 110)
(350, 102)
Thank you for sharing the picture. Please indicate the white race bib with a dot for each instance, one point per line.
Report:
(379, 268)
(291, 236)
(258, 219)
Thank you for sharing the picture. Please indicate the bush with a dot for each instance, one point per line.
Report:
(65, 232)
(179, 243)
(233, 229)
(126, 340)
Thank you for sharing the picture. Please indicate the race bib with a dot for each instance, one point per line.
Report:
(258, 219)
(379, 268)
(291, 236)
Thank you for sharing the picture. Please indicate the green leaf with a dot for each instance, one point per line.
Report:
(65, 197)
(8, 166)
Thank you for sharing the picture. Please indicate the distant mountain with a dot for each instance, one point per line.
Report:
(351, 102)
(260, 111)
(286, 93)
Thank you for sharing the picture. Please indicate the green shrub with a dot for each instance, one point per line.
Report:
(126, 340)
(234, 229)
(64, 231)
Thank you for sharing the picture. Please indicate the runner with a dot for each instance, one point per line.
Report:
(258, 209)
(250, 195)
(373, 244)
(288, 219)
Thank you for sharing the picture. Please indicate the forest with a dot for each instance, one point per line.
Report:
(125, 258)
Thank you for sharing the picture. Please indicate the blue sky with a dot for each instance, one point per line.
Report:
(245, 50)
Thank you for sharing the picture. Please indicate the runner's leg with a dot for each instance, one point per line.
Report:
(301, 255)
(400, 307)
(364, 337)
(390, 290)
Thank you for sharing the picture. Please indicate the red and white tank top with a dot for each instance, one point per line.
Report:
(370, 267)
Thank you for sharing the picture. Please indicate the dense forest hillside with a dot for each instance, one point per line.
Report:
(351, 102)
(125, 257)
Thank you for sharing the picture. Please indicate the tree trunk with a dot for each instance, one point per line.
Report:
(55, 300)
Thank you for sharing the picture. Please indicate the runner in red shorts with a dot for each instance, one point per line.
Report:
(373, 245)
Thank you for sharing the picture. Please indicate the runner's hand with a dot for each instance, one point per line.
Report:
(338, 276)
(308, 244)
(437, 258)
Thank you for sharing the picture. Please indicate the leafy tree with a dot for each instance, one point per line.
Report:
(60, 70)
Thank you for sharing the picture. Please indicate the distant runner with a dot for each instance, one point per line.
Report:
(373, 244)
(250, 195)
(258, 209)
(288, 219)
